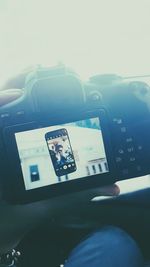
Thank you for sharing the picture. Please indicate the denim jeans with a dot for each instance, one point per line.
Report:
(108, 247)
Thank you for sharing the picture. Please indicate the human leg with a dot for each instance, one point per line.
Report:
(109, 247)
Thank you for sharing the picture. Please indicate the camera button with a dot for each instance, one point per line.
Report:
(118, 159)
(117, 121)
(139, 147)
(19, 115)
(129, 140)
(132, 159)
(96, 96)
(5, 118)
(121, 151)
(141, 152)
(130, 149)
(20, 112)
(123, 129)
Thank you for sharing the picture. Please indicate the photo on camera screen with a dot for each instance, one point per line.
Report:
(61, 153)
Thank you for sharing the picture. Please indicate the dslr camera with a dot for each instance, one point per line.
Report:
(64, 135)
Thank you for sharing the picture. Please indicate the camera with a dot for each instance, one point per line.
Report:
(64, 135)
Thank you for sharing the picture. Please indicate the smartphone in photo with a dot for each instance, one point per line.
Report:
(61, 152)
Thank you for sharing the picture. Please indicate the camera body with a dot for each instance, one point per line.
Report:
(64, 135)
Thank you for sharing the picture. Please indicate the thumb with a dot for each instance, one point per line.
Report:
(9, 95)
(84, 196)
(110, 190)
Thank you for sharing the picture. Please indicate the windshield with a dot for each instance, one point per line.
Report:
(91, 36)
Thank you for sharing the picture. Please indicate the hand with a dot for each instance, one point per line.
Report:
(17, 220)
(9, 95)
(11, 90)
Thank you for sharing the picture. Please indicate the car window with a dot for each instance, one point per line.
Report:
(94, 36)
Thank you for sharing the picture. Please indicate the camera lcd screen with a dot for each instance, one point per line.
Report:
(61, 153)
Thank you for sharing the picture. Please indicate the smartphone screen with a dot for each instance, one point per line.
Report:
(61, 152)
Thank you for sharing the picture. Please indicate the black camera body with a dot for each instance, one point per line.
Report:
(64, 135)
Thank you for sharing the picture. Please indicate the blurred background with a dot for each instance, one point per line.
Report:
(91, 36)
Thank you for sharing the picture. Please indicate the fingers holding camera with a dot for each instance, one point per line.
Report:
(109, 190)
(18, 80)
(9, 95)
(78, 202)
(87, 195)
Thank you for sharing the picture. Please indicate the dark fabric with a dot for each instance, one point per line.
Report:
(109, 247)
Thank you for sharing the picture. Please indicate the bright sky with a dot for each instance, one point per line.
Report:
(91, 36)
